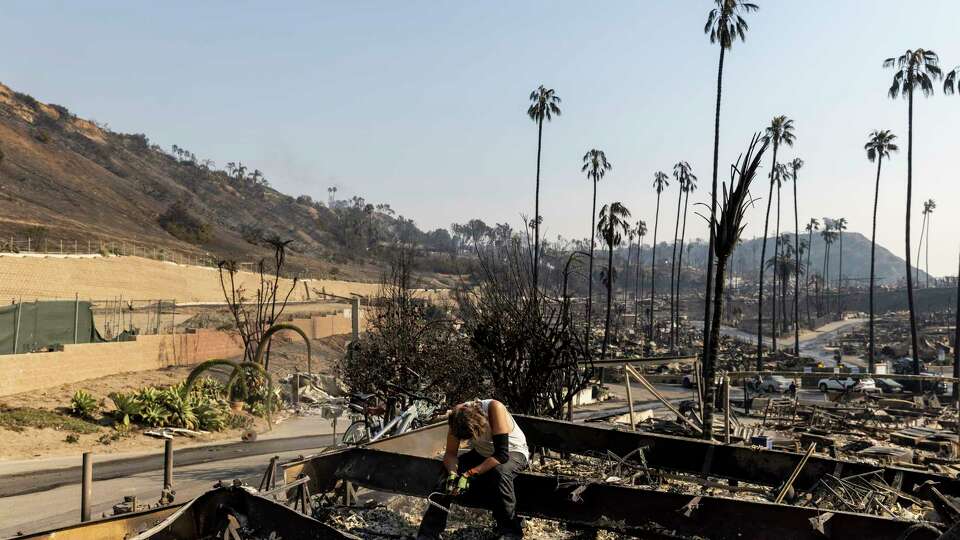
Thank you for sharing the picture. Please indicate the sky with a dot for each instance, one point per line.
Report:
(422, 105)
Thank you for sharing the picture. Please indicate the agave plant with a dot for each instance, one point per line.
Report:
(147, 395)
(154, 415)
(128, 407)
(211, 416)
(83, 404)
(180, 406)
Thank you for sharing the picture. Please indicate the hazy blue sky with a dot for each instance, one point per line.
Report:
(422, 104)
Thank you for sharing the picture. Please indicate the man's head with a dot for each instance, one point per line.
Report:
(467, 421)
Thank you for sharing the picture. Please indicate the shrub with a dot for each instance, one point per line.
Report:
(154, 414)
(128, 407)
(211, 417)
(179, 221)
(18, 419)
(83, 405)
(41, 136)
(180, 407)
(72, 438)
(239, 421)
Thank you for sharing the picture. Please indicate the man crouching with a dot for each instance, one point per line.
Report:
(484, 475)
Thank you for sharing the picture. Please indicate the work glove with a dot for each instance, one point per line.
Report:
(457, 484)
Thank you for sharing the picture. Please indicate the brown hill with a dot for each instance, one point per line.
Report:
(66, 178)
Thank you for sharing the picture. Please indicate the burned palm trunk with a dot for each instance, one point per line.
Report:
(728, 227)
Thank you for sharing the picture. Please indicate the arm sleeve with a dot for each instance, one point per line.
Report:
(501, 447)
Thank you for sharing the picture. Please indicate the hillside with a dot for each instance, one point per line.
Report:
(70, 179)
(856, 259)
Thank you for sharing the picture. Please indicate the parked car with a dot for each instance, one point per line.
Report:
(904, 366)
(889, 386)
(770, 383)
(866, 385)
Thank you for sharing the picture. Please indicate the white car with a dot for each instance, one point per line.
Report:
(866, 385)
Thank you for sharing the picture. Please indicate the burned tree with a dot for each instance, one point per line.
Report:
(523, 341)
(410, 341)
(253, 316)
(726, 233)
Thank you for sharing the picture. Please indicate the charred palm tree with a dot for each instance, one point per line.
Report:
(681, 172)
(795, 165)
(879, 146)
(725, 24)
(544, 105)
(928, 206)
(660, 182)
(613, 223)
(779, 131)
(915, 70)
(726, 232)
(630, 232)
(595, 164)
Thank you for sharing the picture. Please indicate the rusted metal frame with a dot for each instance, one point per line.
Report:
(120, 526)
(767, 467)
(635, 510)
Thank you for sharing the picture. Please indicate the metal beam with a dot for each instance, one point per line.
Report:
(758, 466)
(650, 513)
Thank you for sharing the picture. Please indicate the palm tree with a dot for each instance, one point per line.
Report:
(915, 70)
(725, 24)
(613, 223)
(595, 164)
(840, 225)
(779, 131)
(782, 175)
(726, 230)
(878, 146)
(812, 225)
(630, 232)
(795, 165)
(660, 182)
(828, 238)
(544, 105)
(691, 186)
(681, 172)
(637, 290)
(784, 265)
(928, 206)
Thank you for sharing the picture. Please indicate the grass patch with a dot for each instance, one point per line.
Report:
(18, 419)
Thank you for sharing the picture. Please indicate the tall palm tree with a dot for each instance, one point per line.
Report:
(928, 206)
(727, 230)
(630, 232)
(691, 186)
(879, 146)
(595, 164)
(812, 225)
(782, 175)
(779, 131)
(795, 165)
(544, 105)
(681, 172)
(660, 182)
(828, 238)
(915, 70)
(613, 223)
(725, 24)
(840, 225)
(638, 290)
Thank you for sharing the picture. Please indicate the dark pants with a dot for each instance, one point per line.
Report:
(492, 490)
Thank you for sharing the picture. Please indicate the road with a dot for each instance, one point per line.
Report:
(813, 343)
(45, 495)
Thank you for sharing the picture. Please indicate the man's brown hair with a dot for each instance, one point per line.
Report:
(467, 422)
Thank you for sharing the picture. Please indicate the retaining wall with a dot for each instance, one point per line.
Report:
(32, 371)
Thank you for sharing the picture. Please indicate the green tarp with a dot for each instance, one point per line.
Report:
(44, 324)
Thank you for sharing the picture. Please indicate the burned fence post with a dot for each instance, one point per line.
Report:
(626, 380)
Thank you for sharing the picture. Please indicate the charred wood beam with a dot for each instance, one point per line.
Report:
(645, 512)
(757, 466)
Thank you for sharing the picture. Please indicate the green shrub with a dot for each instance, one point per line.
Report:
(83, 405)
(180, 407)
(72, 438)
(239, 421)
(211, 416)
(128, 407)
(154, 414)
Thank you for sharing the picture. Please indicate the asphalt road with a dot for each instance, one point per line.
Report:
(34, 481)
